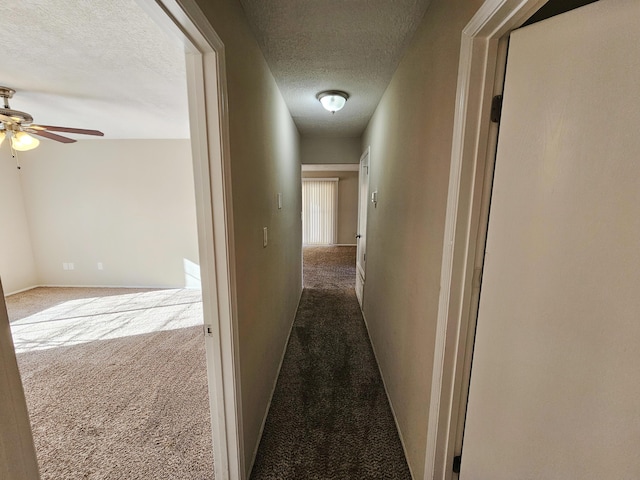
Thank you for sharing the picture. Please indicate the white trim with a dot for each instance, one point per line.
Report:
(147, 287)
(16, 438)
(273, 388)
(343, 245)
(208, 115)
(331, 167)
(466, 207)
(21, 290)
(361, 271)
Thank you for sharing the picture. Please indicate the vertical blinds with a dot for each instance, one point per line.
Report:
(319, 211)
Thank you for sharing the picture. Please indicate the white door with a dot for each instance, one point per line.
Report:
(555, 381)
(361, 236)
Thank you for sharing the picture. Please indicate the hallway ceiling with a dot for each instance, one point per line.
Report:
(350, 45)
(106, 65)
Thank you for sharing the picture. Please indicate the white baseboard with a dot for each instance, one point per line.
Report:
(386, 391)
(166, 287)
(273, 389)
(159, 287)
(21, 290)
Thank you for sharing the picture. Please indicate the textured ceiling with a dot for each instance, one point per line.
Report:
(104, 64)
(100, 64)
(350, 45)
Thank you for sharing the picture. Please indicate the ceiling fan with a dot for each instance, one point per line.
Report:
(19, 126)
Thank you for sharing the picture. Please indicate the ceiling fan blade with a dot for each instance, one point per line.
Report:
(81, 131)
(49, 135)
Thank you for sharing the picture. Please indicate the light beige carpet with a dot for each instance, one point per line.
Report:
(115, 381)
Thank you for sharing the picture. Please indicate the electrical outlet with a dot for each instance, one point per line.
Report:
(65, 266)
(100, 266)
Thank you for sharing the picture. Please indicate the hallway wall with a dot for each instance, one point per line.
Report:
(410, 135)
(321, 150)
(265, 161)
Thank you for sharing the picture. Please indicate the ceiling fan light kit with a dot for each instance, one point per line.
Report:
(20, 127)
(333, 100)
(23, 142)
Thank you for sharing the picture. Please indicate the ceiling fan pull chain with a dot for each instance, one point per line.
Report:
(14, 154)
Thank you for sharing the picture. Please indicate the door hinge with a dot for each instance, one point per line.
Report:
(457, 461)
(496, 109)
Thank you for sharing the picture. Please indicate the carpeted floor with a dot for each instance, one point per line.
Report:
(329, 418)
(115, 381)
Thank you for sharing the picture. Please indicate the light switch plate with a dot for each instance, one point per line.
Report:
(265, 237)
(279, 201)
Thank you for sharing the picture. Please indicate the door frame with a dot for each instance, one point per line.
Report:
(360, 271)
(209, 127)
(482, 60)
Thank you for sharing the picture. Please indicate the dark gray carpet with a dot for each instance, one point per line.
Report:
(330, 418)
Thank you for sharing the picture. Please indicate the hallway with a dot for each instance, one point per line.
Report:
(329, 417)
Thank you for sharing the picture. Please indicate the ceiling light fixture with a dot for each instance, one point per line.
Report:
(23, 142)
(333, 100)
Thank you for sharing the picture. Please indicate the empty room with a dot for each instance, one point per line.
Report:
(99, 255)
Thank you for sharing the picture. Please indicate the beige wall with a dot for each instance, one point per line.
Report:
(264, 161)
(129, 204)
(17, 266)
(410, 136)
(347, 203)
(17, 453)
(320, 150)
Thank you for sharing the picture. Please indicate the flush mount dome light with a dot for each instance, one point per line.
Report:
(333, 100)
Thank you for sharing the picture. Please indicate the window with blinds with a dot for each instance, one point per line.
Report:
(319, 211)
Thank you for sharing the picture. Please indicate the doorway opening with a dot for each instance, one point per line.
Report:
(482, 67)
(209, 150)
(111, 351)
(330, 211)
